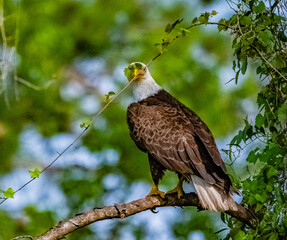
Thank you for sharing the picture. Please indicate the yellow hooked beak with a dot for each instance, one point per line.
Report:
(138, 73)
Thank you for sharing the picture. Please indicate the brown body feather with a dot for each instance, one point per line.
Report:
(178, 140)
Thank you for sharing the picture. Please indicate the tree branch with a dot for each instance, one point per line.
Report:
(127, 209)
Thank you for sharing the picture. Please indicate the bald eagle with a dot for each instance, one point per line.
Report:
(176, 139)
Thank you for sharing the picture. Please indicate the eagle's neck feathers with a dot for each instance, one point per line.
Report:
(145, 87)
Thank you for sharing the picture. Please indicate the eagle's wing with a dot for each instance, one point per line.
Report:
(177, 139)
(208, 149)
(205, 136)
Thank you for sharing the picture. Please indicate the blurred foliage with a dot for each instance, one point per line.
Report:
(48, 48)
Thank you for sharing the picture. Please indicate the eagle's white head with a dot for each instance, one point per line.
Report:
(143, 83)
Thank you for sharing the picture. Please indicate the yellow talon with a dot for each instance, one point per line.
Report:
(156, 192)
(178, 189)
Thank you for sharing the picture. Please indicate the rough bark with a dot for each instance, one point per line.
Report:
(127, 209)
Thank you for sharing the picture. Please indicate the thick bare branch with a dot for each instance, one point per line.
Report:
(127, 209)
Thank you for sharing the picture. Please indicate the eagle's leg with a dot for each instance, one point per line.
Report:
(178, 189)
(157, 171)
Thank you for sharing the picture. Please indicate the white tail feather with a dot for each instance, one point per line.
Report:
(211, 197)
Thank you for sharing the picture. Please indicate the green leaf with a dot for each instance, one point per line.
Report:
(252, 157)
(259, 120)
(234, 65)
(247, 131)
(274, 236)
(269, 188)
(129, 71)
(195, 20)
(35, 173)
(158, 47)
(260, 100)
(244, 66)
(240, 235)
(259, 8)
(259, 28)
(236, 76)
(85, 123)
(256, 168)
(204, 17)
(164, 44)
(213, 13)
(222, 27)
(266, 20)
(245, 20)
(201, 19)
(260, 198)
(278, 61)
(182, 32)
(272, 172)
(258, 207)
(169, 27)
(9, 193)
(265, 37)
(107, 96)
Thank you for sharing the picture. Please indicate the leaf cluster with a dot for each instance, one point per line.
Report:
(129, 71)
(258, 35)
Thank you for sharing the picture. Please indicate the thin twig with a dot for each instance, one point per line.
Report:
(22, 237)
(75, 140)
(189, 27)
